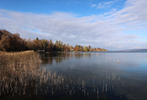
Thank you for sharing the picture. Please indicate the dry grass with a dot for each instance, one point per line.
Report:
(16, 64)
(20, 75)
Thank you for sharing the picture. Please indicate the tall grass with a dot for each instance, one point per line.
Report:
(20, 75)
(17, 70)
(17, 64)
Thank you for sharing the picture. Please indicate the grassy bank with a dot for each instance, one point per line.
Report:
(17, 64)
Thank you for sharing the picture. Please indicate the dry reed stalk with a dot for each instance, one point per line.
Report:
(19, 72)
(17, 63)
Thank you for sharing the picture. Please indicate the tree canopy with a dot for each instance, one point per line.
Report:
(13, 42)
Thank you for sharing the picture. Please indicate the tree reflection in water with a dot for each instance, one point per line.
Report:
(60, 57)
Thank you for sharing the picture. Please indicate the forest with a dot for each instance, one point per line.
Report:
(13, 42)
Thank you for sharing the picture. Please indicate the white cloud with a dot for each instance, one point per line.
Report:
(108, 44)
(93, 5)
(104, 4)
(104, 31)
(133, 15)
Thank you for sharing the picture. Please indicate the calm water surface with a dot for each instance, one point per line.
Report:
(98, 75)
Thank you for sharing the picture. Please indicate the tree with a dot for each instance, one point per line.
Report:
(4, 43)
(37, 38)
(50, 45)
(85, 49)
(76, 48)
(13, 42)
(44, 44)
(89, 48)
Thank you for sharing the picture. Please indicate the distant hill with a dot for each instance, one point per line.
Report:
(134, 50)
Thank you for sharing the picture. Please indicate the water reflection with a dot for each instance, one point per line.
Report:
(60, 57)
(122, 60)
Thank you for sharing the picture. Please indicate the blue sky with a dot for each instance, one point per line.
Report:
(110, 24)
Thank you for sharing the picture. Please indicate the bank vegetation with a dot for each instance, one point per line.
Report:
(13, 42)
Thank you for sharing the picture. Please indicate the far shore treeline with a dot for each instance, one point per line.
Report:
(13, 42)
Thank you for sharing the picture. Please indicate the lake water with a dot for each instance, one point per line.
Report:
(82, 76)
(97, 75)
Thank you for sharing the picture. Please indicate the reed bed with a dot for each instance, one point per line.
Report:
(20, 75)
(16, 64)
(17, 69)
